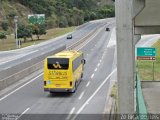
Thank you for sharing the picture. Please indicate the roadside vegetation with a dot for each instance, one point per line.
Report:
(114, 92)
(8, 42)
(58, 14)
(146, 67)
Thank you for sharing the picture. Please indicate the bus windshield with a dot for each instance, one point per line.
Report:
(58, 63)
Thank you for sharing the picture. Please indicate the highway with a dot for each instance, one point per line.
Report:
(13, 57)
(28, 99)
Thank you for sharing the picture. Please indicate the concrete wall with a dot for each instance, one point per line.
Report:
(150, 15)
(18, 72)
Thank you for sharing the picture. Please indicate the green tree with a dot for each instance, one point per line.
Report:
(78, 16)
(38, 30)
(24, 32)
(4, 25)
(2, 36)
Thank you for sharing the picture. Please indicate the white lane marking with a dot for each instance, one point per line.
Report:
(92, 75)
(100, 60)
(23, 113)
(98, 65)
(70, 113)
(80, 97)
(88, 84)
(20, 87)
(103, 56)
(90, 98)
(95, 70)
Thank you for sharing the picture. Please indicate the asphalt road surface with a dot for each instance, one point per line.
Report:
(29, 100)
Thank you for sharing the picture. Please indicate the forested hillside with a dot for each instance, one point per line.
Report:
(59, 13)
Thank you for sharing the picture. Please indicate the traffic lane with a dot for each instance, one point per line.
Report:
(99, 73)
(4, 54)
(78, 33)
(40, 49)
(74, 103)
(64, 105)
(26, 57)
(88, 26)
(82, 32)
(19, 58)
(88, 111)
(25, 98)
(60, 103)
(99, 100)
(20, 99)
(53, 102)
(104, 35)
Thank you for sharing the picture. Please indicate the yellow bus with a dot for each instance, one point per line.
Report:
(63, 71)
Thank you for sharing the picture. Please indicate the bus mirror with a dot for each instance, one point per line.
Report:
(84, 61)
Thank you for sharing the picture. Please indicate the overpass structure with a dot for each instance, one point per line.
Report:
(134, 18)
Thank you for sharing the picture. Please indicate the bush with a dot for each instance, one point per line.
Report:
(4, 25)
(2, 35)
(38, 30)
(12, 14)
(24, 32)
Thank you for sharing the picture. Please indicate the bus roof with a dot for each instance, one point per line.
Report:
(66, 54)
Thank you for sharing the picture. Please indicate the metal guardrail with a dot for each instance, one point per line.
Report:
(141, 110)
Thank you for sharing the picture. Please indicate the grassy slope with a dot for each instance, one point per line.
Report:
(146, 67)
(10, 44)
(22, 11)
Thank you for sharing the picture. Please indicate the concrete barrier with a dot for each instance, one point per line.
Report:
(19, 71)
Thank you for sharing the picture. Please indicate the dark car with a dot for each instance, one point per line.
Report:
(69, 36)
(107, 29)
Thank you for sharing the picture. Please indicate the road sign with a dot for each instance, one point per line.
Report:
(146, 53)
(146, 58)
(36, 18)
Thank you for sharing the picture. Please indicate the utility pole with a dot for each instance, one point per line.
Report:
(16, 21)
(125, 56)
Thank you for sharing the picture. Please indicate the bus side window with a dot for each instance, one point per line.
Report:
(76, 63)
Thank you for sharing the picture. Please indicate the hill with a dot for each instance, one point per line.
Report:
(59, 13)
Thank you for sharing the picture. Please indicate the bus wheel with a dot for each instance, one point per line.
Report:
(75, 88)
(81, 75)
(51, 93)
